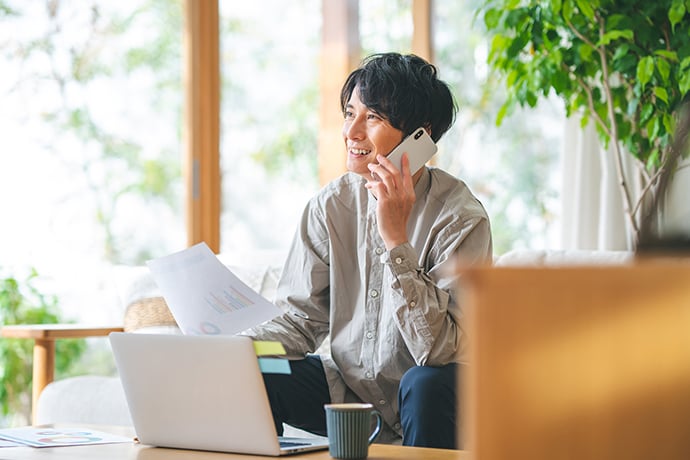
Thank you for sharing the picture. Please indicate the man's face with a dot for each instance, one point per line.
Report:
(366, 134)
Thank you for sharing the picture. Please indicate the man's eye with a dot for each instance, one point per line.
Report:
(373, 116)
(347, 114)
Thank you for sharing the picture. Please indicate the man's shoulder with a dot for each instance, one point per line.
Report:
(344, 192)
(348, 184)
(445, 184)
(454, 193)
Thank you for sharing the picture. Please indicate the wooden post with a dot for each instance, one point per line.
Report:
(340, 54)
(422, 29)
(202, 122)
(422, 34)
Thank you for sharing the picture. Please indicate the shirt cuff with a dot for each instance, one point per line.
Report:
(402, 259)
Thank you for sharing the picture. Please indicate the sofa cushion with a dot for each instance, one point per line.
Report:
(538, 257)
(86, 399)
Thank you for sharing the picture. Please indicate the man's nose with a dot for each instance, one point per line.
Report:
(355, 130)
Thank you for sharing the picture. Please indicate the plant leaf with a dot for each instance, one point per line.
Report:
(608, 37)
(492, 17)
(653, 127)
(645, 70)
(568, 10)
(669, 123)
(670, 55)
(664, 69)
(585, 8)
(556, 6)
(653, 160)
(676, 13)
(685, 63)
(661, 93)
(684, 84)
(502, 112)
(647, 110)
(621, 51)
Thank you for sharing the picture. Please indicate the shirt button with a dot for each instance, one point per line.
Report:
(368, 375)
(398, 260)
(370, 335)
(382, 402)
(413, 304)
(374, 293)
(379, 251)
(396, 426)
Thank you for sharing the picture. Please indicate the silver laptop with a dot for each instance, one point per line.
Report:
(200, 392)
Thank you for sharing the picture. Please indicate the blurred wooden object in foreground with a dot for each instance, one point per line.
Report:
(578, 362)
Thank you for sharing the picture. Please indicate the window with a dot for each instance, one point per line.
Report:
(513, 169)
(91, 108)
(269, 119)
(90, 169)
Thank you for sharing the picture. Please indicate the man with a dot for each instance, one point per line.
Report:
(368, 269)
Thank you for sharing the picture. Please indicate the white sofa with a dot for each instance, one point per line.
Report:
(100, 399)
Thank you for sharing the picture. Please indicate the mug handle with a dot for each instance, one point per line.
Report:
(377, 429)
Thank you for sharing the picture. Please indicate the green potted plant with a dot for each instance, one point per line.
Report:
(21, 302)
(623, 64)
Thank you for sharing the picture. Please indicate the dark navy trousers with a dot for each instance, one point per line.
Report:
(426, 398)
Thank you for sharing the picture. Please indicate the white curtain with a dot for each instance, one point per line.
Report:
(676, 209)
(592, 215)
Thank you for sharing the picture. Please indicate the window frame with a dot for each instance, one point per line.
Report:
(340, 53)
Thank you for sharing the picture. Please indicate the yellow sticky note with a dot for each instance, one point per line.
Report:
(263, 348)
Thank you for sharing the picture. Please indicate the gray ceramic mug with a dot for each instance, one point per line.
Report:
(348, 426)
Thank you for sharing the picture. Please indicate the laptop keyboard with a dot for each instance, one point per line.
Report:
(292, 444)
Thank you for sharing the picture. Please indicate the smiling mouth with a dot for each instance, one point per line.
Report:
(360, 152)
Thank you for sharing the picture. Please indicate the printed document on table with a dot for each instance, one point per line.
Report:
(53, 437)
(205, 297)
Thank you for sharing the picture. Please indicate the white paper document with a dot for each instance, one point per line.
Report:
(53, 437)
(205, 297)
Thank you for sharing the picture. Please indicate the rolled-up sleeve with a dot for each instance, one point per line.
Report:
(424, 305)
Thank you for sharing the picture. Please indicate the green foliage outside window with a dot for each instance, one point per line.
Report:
(22, 303)
(109, 105)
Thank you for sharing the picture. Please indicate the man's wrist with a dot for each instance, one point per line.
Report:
(392, 244)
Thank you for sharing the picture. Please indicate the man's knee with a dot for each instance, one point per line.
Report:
(427, 384)
(428, 409)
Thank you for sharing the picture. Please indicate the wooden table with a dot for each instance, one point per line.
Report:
(44, 337)
(134, 451)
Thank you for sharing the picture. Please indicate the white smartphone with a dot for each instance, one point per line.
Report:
(419, 148)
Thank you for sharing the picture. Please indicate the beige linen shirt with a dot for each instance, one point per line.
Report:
(383, 311)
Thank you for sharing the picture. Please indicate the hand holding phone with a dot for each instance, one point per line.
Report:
(419, 148)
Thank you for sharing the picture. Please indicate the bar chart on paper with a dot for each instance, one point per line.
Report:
(205, 297)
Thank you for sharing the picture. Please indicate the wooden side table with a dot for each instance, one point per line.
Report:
(44, 337)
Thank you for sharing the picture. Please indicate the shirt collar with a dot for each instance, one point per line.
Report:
(422, 184)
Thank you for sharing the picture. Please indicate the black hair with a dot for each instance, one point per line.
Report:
(405, 90)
